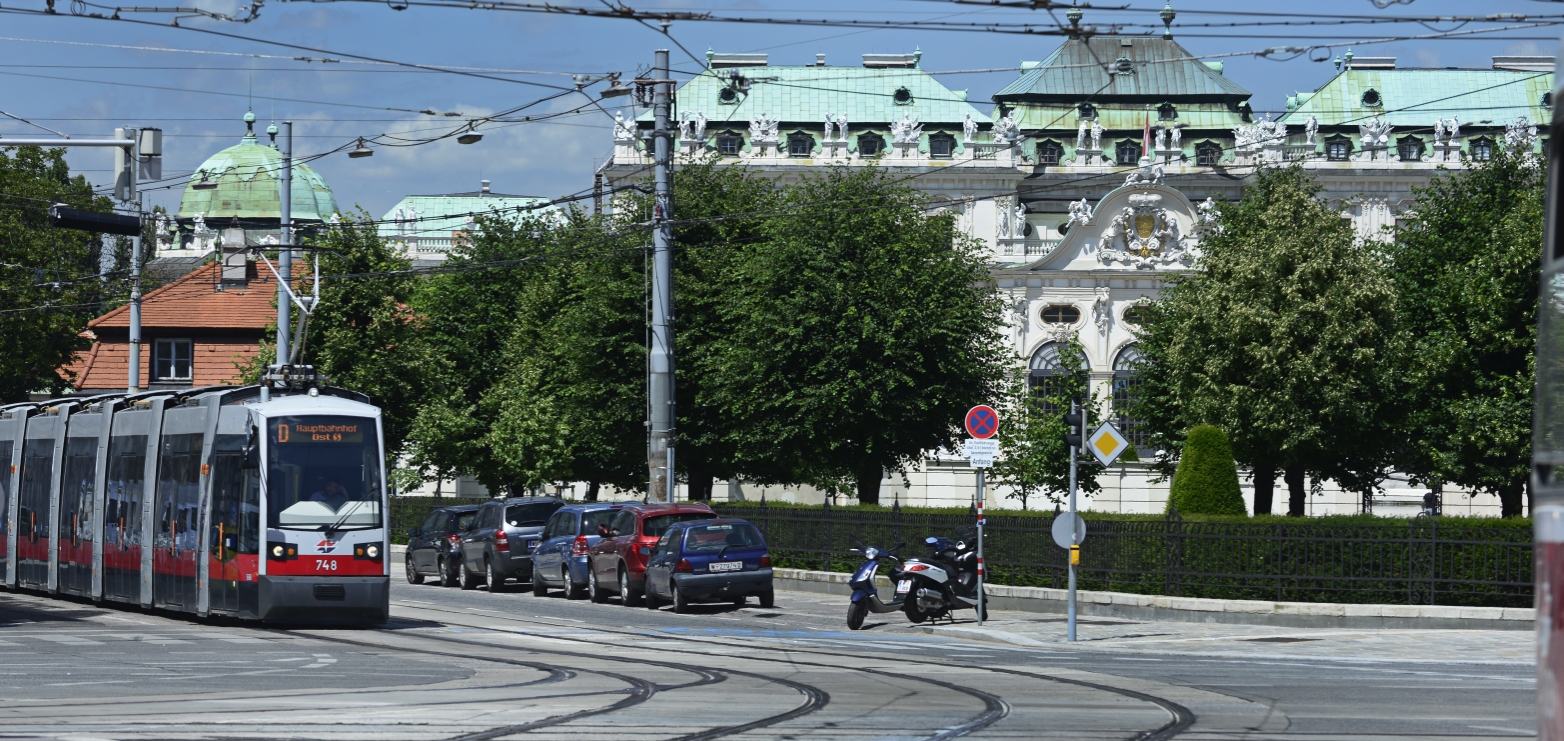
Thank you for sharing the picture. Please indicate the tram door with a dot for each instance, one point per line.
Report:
(32, 527)
(177, 509)
(127, 464)
(73, 529)
(234, 539)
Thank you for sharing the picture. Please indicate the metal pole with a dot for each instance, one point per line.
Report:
(660, 454)
(1073, 542)
(125, 186)
(980, 548)
(284, 254)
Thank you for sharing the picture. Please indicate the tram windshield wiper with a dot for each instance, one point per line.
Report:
(346, 513)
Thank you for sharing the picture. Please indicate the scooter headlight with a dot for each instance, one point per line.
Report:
(871, 553)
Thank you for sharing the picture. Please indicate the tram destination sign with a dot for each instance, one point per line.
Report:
(319, 433)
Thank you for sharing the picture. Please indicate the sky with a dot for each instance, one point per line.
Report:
(72, 74)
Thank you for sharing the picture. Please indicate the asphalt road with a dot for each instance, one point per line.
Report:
(481, 665)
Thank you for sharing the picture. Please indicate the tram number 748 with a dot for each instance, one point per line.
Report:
(326, 564)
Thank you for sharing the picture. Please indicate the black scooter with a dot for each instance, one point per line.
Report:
(866, 598)
(931, 587)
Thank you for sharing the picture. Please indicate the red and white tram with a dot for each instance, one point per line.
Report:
(253, 502)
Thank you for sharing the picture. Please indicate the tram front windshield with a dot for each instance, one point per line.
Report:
(323, 473)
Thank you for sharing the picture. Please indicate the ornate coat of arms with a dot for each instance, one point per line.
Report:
(1144, 234)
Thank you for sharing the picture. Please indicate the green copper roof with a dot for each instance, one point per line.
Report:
(439, 215)
(1163, 71)
(247, 185)
(1415, 97)
(804, 95)
(1062, 120)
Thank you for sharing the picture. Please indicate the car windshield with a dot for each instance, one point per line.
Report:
(529, 515)
(716, 537)
(323, 473)
(659, 524)
(590, 520)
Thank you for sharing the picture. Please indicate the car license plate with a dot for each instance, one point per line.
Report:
(726, 565)
(904, 586)
(531, 544)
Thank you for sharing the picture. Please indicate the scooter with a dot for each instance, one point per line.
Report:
(930, 588)
(866, 598)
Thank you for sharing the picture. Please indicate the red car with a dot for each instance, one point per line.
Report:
(619, 558)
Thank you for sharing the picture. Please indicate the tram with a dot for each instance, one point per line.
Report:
(258, 502)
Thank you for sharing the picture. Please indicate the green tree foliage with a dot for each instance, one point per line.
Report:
(1206, 482)
(1466, 268)
(364, 335)
(855, 335)
(1034, 458)
(47, 276)
(1284, 336)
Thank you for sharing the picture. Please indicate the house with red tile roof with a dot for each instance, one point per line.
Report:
(198, 330)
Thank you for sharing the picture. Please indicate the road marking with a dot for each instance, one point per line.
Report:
(69, 640)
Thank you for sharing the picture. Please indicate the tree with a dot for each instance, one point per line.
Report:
(1206, 482)
(1282, 335)
(49, 278)
(1034, 457)
(364, 334)
(1466, 267)
(856, 335)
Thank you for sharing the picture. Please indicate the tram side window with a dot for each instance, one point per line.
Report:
(81, 462)
(236, 500)
(37, 471)
(5, 483)
(125, 481)
(178, 490)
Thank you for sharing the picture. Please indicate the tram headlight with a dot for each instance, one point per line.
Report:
(370, 551)
(276, 551)
(282, 551)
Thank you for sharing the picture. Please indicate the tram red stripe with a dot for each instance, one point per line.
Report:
(322, 566)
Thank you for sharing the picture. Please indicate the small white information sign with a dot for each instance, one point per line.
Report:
(981, 452)
(1107, 444)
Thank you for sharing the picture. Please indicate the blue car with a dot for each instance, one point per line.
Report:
(560, 561)
(709, 561)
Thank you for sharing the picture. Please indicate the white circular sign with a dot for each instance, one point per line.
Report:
(1062, 526)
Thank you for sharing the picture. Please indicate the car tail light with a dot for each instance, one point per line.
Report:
(579, 548)
(500, 539)
(765, 562)
(454, 539)
(684, 566)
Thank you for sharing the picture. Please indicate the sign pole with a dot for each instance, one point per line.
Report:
(982, 423)
(980, 614)
(1075, 545)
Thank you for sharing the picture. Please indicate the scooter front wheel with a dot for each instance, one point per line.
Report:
(856, 612)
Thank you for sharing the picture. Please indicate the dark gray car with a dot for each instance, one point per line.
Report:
(500, 542)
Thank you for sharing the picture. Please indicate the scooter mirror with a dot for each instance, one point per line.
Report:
(931, 540)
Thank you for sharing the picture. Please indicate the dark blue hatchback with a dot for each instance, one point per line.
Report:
(560, 560)
(709, 561)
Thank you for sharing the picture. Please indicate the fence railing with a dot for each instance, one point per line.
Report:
(1424, 561)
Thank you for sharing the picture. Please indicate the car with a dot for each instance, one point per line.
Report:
(434, 548)
(709, 561)
(560, 561)
(499, 544)
(619, 557)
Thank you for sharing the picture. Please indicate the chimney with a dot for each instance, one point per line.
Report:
(235, 259)
(819, 60)
(485, 187)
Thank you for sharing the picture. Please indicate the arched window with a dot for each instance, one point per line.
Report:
(1128, 153)
(871, 145)
(1482, 150)
(800, 144)
(1050, 152)
(942, 145)
(1208, 153)
(1410, 148)
(1124, 394)
(1047, 374)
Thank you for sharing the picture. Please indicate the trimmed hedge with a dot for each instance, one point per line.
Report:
(1206, 482)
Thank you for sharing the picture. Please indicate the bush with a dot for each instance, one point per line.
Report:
(1206, 481)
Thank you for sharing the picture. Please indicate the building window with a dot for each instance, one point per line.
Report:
(727, 96)
(1207, 154)
(1338, 149)
(871, 145)
(1049, 153)
(1128, 153)
(942, 145)
(1167, 112)
(1410, 148)
(729, 143)
(902, 96)
(800, 144)
(1135, 316)
(171, 360)
(1060, 314)
(1125, 393)
(1371, 98)
(1482, 150)
(1046, 375)
(1547, 99)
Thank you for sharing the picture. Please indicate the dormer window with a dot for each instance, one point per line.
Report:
(1124, 66)
(1371, 98)
(1087, 110)
(1208, 154)
(800, 144)
(1128, 153)
(1547, 99)
(942, 145)
(1167, 112)
(1050, 152)
(871, 145)
(1338, 149)
(730, 143)
(1410, 148)
(902, 96)
(727, 96)
(1482, 150)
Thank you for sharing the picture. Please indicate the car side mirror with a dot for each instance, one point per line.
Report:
(413, 533)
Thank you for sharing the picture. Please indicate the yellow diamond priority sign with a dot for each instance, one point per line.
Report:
(1107, 443)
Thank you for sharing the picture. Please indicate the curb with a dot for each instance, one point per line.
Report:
(1143, 607)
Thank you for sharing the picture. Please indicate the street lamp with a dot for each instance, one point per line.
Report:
(362, 150)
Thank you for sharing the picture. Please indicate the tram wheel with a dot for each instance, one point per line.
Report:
(413, 577)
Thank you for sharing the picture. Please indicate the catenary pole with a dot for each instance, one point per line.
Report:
(125, 190)
(660, 448)
(285, 253)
